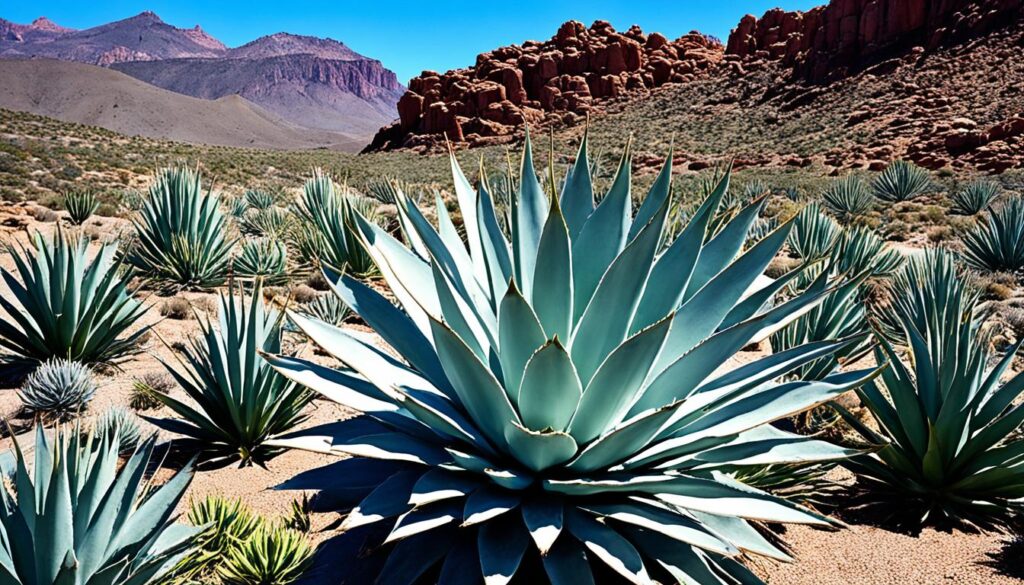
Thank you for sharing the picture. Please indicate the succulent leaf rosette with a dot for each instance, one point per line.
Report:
(556, 405)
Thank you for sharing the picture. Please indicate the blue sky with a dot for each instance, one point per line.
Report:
(408, 36)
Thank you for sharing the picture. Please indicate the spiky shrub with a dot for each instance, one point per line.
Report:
(241, 402)
(975, 197)
(262, 258)
(861, 250)
(80, 517)
(848, 198)
(328, 308)
(299, 519)
(331, 214)
(806, 484)
(63, 305)
(58, 389)
(225, 525)
(144, 390)
(121, 422)
(900, 181)
(80, 205)
(558, 397)
(259, 199)
(272, 222)
(271, 555)
(814, 234)
(182, 241)
(236, 206)
(131, 200)
(945, 420)
(997, 244)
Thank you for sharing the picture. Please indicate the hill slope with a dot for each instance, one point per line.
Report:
(312, 82)
(87, 94)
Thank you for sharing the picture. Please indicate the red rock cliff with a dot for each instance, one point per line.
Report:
(830, 41)
(557, 81)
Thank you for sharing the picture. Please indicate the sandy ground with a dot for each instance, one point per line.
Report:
(858, 555)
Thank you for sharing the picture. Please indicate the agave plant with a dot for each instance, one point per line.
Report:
(945, 421)
(998, 243)
(80, 206)
(121, 422)
(975, 197)
(224, 524)
(271, 555)
(814, 234)
(64, 306)
(900, 181)
(559, 404)
(80, 517)
(181, 233)
(328, 308)
(58, 389)
(861, 250)
(848, 198)
(241, 403)
(259, 199)
(262, 258)
(331, 213)
(272, 222)
(236, 206)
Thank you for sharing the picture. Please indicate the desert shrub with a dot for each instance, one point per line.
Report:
(80, 205)
(848, 198)
(144, 390)
(262, 258)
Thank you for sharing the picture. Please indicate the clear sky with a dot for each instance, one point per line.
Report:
(407, 36)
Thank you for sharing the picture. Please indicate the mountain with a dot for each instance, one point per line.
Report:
(317, 83)
(311, 82)
(849, 85)
(98, 96)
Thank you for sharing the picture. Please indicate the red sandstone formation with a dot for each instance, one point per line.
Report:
(558, 81)
(829, 42)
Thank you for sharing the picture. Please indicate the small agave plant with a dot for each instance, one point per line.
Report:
(240, 402)
(900, 181)
(331, 213)
(80, 206)
(263, 258)
(848, 198)
(64, 305)
(58, 389)
(559, 409)
(80, 517)
(997, 243)
(181, 233)
(814, 234)
(946, 423)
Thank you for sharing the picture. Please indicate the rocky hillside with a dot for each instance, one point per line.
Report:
(559, 81)
(315, 83)
(853, 84)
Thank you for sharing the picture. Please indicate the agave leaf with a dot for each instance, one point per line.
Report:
(550, 389)
(539, 450)
(609, 546)
(487, 503)
(577, 198)
(553, 288)
(520, 335)
(543, 519)
(566, 564)
(502, 544)
(419, 520)
(388, 500)
(658, 518)
(461, 565)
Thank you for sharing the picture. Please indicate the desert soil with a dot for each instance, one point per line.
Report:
(860, 554)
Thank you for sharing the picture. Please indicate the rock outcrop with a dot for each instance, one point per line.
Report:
(554, 82)
(830, 42)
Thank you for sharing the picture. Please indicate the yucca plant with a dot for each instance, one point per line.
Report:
(62, 305)
(560, 403)
(241, 402)
(861, 250)
(80, 517)
(271, 555)
(997, 244)
(848, 198)
(181, 233)
(900, 181)
(814, 234)
(58, 389)
(259, 199)
(945, 420)
(80, 205)
(262, 258)
(331, 213)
